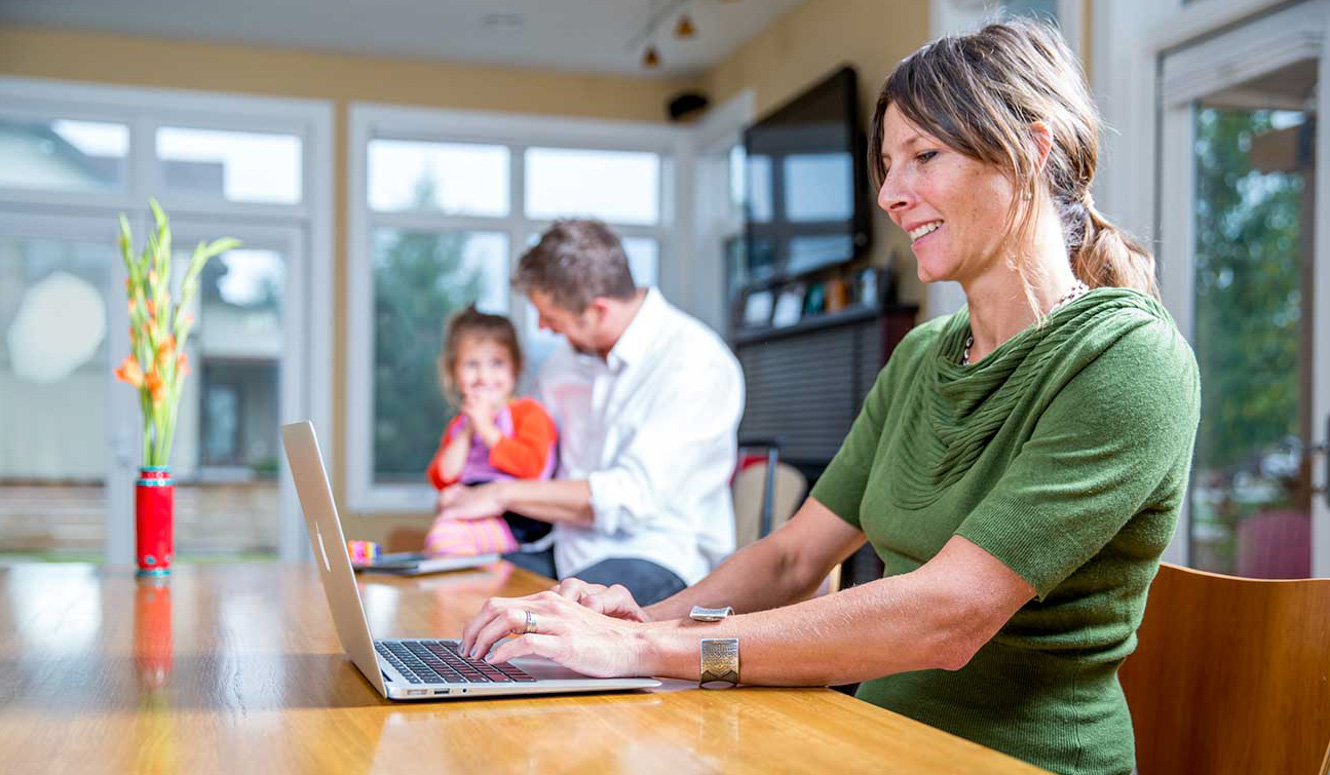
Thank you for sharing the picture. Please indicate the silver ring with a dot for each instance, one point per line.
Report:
(530, 623)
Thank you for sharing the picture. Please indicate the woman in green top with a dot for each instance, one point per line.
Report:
(1019, 465)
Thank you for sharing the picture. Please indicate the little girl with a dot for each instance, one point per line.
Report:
(494, 436)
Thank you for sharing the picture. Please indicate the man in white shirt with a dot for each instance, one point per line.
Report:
(648, 402)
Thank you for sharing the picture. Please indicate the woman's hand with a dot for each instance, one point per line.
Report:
(566, 632)
(615, 601)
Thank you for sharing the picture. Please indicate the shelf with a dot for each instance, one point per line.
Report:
(855, 314)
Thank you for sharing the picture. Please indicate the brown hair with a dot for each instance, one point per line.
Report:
(575, 262)
(979, 94)
(471, 322)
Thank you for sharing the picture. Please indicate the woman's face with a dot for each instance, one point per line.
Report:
(954, 208)
(484, 368)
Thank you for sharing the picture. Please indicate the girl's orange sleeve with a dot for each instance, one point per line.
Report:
(527, 452)
(435, 471)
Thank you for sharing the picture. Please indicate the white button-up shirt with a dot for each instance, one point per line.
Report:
(652, 429)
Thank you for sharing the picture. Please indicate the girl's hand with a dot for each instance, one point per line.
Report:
(481, 411)
(614, 601)
(565, 632)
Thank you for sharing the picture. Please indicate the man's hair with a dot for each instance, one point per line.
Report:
(575, 262)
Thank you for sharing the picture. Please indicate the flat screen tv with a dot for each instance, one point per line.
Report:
(808, 201)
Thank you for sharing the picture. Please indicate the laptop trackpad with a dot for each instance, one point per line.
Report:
(545, 670)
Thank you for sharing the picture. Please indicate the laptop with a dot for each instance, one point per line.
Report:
(421, 564)
(409, 668)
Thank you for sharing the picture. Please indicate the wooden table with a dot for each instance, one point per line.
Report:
(237, 668)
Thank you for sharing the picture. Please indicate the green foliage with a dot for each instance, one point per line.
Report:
(1248, 302)
(420, 278)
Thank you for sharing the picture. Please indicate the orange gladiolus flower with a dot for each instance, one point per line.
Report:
(182, 365)
(152, 277)
(130, 372)
(153, 381)
(166, 349)
(152, 308)
(151, 327)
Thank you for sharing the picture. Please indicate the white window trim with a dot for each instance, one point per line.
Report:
(714, 217)
(518, 132)
(145, 109)
(1132, 38)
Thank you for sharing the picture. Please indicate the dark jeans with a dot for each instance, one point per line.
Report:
(649, 582)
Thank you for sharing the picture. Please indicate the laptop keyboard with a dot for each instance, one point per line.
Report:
(437, 661)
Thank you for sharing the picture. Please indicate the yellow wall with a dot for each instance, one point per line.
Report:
(341, 79)
(809, 43)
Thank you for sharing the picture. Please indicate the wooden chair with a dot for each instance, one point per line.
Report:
(764, 502)
(1232, 676)
(787, 492)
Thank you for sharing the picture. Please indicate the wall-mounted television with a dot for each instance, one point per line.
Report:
(808, 196)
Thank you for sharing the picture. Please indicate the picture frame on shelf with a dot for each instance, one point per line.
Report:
(815, 300)
(789, 306)
(757, 309)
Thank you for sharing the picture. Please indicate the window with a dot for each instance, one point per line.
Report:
(63, 154)
(232, 166)
(72, 158)
(420, 279)
(443, 206)
(614, 186)
(450, 178)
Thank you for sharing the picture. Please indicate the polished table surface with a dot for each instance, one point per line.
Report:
(237, 668)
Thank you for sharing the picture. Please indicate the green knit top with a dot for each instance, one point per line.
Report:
(1065, 455)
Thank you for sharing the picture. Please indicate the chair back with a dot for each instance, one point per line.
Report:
(1231, 676)
(787, 492)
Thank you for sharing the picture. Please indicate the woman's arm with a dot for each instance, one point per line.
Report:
(785, 567)
(793, 561)
(935, 617)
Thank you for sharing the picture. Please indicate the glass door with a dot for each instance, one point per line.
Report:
(1244, 271)
(64, 448)
(247, 378)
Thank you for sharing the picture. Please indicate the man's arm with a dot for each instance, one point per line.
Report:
(567, 501)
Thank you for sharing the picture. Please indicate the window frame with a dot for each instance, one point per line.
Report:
(144, 110)
(517, 132)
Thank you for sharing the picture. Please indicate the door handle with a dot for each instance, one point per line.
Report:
(1323, 448)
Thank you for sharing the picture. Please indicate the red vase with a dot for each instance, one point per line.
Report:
(154, 514)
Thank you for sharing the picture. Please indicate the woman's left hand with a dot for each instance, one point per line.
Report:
(565, 631)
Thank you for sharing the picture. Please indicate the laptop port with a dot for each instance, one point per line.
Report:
(437, 692)
(416, 692)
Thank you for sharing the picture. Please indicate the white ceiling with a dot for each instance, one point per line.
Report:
(571, 35)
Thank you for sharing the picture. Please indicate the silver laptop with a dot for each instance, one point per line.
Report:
(409, 668)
